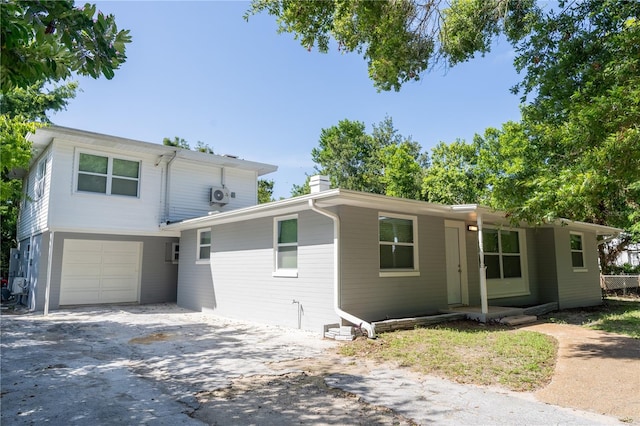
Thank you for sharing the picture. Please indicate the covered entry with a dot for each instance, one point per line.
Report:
(96, 271)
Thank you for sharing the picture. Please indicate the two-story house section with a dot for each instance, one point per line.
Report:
(89, 227)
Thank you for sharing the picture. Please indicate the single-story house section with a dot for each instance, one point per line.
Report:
(352, 258)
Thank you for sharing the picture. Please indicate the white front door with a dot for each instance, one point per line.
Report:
(456, 262)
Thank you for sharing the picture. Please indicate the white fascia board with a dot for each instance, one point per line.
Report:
(324, 199)
(590, 227)
(287, 206)
(125, 232)
(45, 135)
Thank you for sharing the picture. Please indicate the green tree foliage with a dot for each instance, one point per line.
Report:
(203, 147)
(304, 189)
(44, 42)
(454, 176)
(383, 162)
(23, 110)
(345, 153)
(265, 191)
(576, 153)
(402, 171)
(182, 143)
(50, 40)
(177, 142)
(400, 39)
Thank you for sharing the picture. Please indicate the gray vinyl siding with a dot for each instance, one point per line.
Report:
(158, 279)
(190, 184)
(371, 297)
(195, 285)
(240, 284)
(577, 289)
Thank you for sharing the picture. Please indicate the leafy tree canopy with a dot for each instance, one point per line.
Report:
(265, 191)
(383, 162)
(49, 40)
(401, 39)
(181, 143)
(454, 176)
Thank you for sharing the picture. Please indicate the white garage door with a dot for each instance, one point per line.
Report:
(100, 272)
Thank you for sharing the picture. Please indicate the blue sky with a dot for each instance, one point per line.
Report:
(199, 71)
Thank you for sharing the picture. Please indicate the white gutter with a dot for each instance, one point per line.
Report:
(483, 269)
(369, 327)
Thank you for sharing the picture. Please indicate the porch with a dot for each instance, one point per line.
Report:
(497, 313)
(506, 315)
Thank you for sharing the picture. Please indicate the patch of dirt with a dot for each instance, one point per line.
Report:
(151, 338)
(289, 398)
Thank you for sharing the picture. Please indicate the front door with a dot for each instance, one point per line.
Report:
(455, 263)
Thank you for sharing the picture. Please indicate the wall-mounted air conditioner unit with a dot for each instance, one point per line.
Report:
(219, 195)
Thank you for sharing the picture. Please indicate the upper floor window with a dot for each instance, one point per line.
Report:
(108, 175)
(204, 244)
(502, 255)
(577, 251)
(41, 172)
(398, 244)
(286, 245)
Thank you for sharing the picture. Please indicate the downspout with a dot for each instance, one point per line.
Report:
(369, 327)
(167, 192)
(47, 290)
(483, 269)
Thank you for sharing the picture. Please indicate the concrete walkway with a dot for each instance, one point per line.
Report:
(162, 365)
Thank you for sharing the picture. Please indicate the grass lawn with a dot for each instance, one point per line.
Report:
(467, 352)
(616, 315)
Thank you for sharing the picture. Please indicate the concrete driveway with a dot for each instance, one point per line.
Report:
(162, 365)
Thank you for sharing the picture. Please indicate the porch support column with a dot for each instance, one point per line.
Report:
(483, 269)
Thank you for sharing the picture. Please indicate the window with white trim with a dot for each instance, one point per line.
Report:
(108, 175)
(286, 245)
(41, 172)
(175, 252)
(204, 244)
(577, 250)
(398, 241)
(505, 259)
(172, 252)
(502, 255)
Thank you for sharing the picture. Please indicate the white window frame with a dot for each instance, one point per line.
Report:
(404, 272)
(514, 286)
(175, 252)
(284, 272)
(109, 175)
(41, 173)
(199, 245)
(582, 268)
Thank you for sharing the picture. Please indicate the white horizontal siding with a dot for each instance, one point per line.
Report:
(242, 269)
(83, 210)
(195, 286)
(371, 297)
(190, 184)
(33, 217)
